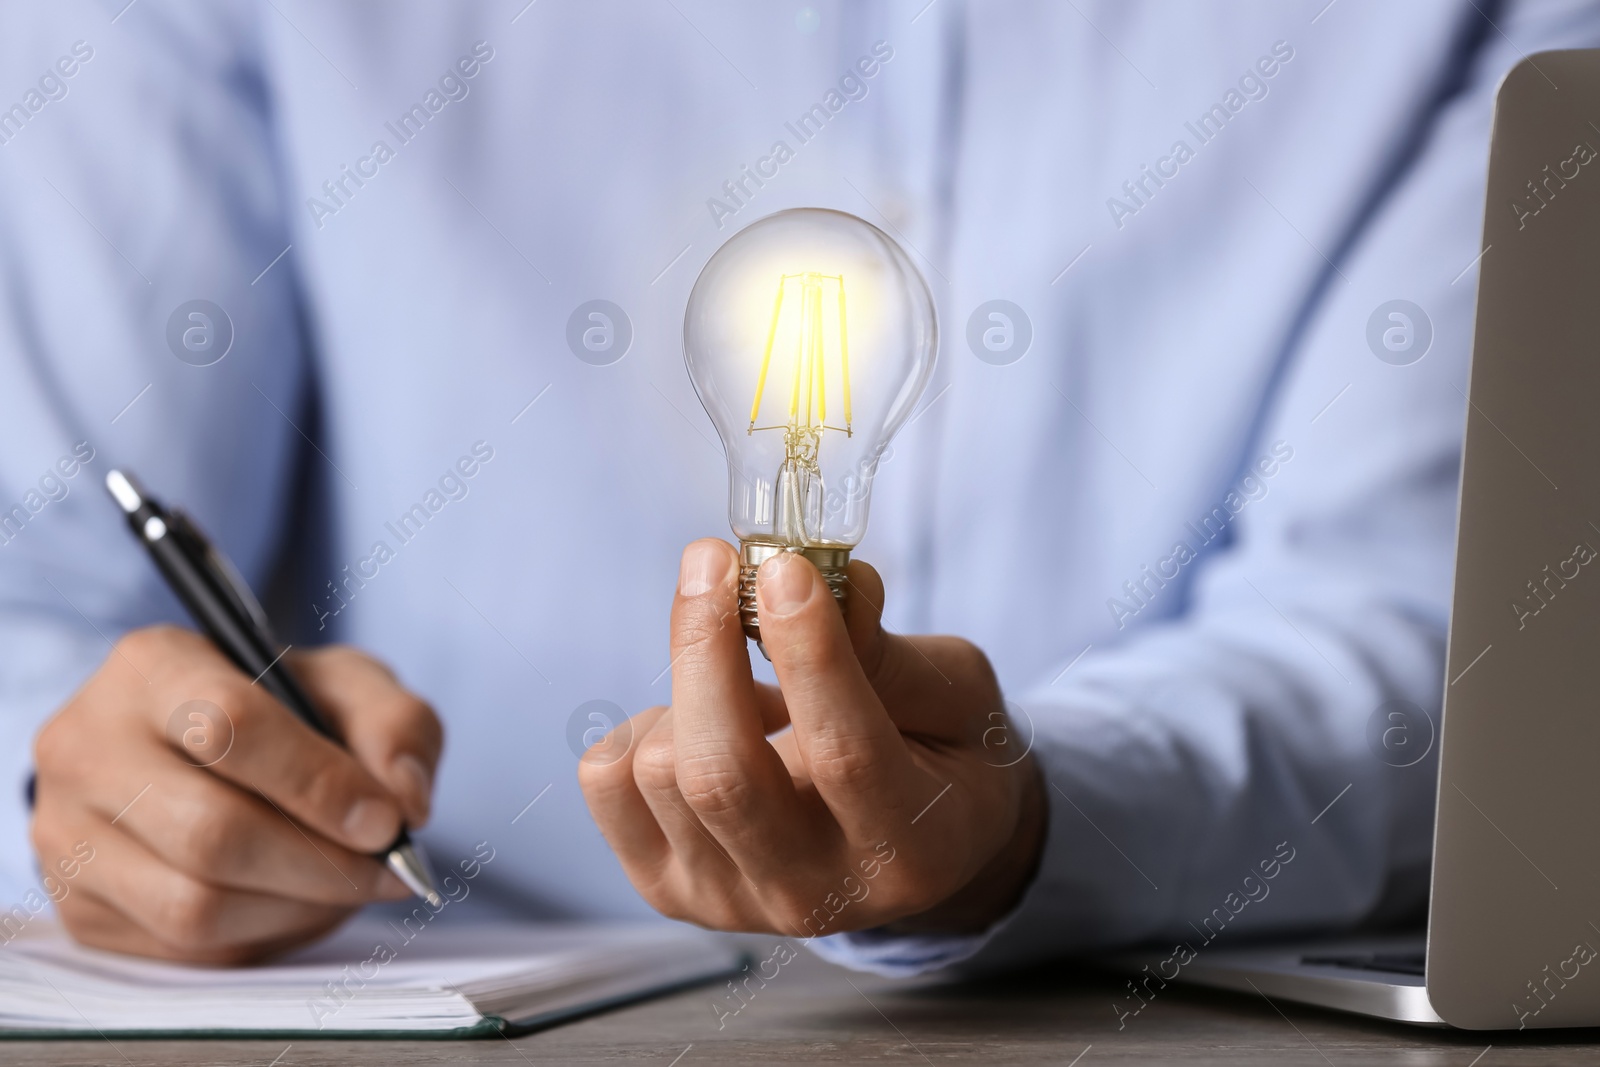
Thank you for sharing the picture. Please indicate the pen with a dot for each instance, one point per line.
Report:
(220, 601)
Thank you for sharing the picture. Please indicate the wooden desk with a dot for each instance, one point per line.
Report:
(815, 1014)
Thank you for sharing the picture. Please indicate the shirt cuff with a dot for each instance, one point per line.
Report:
(881, 951)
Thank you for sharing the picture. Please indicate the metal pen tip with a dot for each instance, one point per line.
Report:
(412, 869)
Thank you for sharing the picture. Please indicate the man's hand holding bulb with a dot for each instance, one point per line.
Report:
(809, 337)
(744, 806)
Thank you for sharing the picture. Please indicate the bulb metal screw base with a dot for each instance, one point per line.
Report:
(831, 560)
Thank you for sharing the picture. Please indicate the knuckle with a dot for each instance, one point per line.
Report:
(229, 692)
(348, 657)
(889, 670)
(808, 920)
(80, 924)
(164, 653)
(962, 659)
(671, 905)
(339, 654)
(208, 837)
(916, 897)
(612, 769)
(841, 764)
(660, 884)
(722, 914)
(972, 661)
(714, 785)
(699, 625)
(41, 834)
(149, 640)
(704, 902)
(919, 880)
(787, 910)
(604, 780)
(327, 785)
(54, 744)
(808, 650)
(655, 763)
(189, 913)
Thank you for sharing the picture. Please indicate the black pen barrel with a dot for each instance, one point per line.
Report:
(240, 641)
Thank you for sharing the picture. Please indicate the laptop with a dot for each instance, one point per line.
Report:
(1513, 936)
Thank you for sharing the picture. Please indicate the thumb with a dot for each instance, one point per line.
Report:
(389, 730)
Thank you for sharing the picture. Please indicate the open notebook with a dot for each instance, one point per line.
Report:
(459, 981)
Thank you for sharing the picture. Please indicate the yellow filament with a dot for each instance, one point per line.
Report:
(811, 352)
(766, 355)
(816, 352)
(799, 364)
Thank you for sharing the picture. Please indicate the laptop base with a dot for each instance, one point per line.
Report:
(1381, 977)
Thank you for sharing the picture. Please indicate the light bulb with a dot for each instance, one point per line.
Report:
(809, 336)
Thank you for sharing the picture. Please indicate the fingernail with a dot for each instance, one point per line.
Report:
(702, 568)
(785, 585)
(418, 783)
(368, 823)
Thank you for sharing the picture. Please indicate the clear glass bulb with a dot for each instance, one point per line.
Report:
(810, 335)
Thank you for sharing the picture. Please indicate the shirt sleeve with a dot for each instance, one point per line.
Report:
(137, 178)
(1266, 761)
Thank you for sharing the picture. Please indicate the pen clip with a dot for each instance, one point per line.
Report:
(241, 592)
(228, 576)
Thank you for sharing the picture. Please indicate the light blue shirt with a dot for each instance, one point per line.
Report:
(1199, 512)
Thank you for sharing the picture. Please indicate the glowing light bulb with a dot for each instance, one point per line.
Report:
(809, 336)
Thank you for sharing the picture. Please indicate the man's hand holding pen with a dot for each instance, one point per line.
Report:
(206, 859)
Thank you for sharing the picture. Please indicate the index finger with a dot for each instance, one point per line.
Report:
(267, 750)
(389, 731)
(856, 757)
